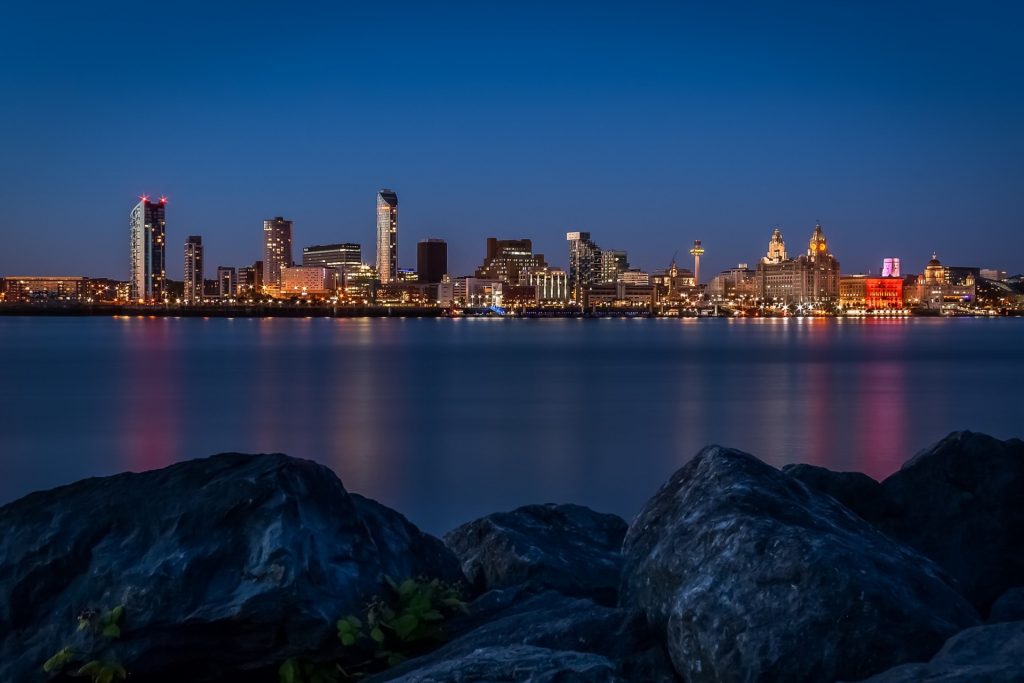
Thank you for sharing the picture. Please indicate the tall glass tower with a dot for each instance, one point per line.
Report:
(584, 263)
(387, 236)
(193, 285)
(147, 280)
(277, 250)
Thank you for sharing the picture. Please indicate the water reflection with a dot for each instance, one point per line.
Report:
(448, 419)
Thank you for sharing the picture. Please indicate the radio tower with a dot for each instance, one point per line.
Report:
(697, 251)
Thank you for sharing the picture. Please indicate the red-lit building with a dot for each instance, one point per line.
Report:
(871, 293)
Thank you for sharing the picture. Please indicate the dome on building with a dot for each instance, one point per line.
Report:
(934, 262)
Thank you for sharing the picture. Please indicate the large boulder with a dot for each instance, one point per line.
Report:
(858, 492)
(1009, 606)
(555, 624)
(224, 566)
(568, 548)
(985, 654)
(960, 504)
(752, 576)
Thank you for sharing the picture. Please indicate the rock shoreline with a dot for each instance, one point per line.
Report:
(229, 566)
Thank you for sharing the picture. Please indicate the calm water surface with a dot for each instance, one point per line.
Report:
(446, 420)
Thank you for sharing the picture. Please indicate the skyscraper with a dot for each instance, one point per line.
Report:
(431, 260)
(505, 259)
(584, 263)
(147, 280)
(277, 250)
(387, 236)
(193, 285)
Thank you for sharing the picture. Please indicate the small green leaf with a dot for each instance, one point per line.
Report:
(377, 635)
(354, 621)
(344, 626)
(59, 660)
(289, 671)
(348, 639)
(407, 587)
(111, 631)
(115, 615)
(405, 625)
(432, 615)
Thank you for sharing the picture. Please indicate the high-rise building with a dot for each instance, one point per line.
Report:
(613, 262)
(505, 259)
(387, 236)
(227, 282)
(431, 260)
(147, 280)
(332, 255)
(584, 263)
(277, 250)
(193, 281)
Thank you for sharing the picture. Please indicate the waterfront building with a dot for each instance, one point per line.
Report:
(431, 260)
(308, 281)
(635, 277)
(733, 285)
(147, 279)
(993, 274)
(407, 275)
(250, 279)
(277, 251)
(192, 285)
(674, 284)
(584, 263)
(506, 259)
(613, 262)
(863, 292)
(45, 288)
(811, 278)
(946, 287)
(359, 282)
(387, 236)
(620, 295)
(891, 267)
(338, 256)
(227, 282)
(477, 292)
(551, 285)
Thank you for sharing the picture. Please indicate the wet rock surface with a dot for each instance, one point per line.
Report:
(753, 576)
(567, 548)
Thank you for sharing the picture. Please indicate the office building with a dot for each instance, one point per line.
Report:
(431, 260)
(584, 263)
(227, 282)
(505, 259)
(338, 256)
(863, 292)
(552, 284)
(811, 278)
(41, 288)
(387, 236)
(308, 280)
(277, 251)
(148, 275)
(613, 262)
(733, 285)
(192, 286)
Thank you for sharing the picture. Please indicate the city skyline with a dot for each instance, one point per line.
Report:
(901, 135)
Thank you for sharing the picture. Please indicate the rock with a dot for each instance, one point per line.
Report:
(225, 566)
(961, 506)
(568, 548)
(984, 654)
(753, 576)
(515, 663)
(858, 492)
(558, 625)
(1009, 606)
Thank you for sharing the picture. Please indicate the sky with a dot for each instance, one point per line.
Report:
(898, 126)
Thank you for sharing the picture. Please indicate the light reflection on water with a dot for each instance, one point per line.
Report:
(449, 419)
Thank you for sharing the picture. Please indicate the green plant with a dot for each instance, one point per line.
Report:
(404, 623)
(95, 634)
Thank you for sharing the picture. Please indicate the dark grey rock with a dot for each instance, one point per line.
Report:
(225, 566)
(517, 663)
(961, 506)
(858, 492)
(558, 624)
(568, 548)
(753, 576)
(1009, 606)
(984, 654)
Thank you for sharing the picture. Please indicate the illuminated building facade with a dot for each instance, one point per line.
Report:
(811, 278)
(733, 285)
(227, 282)
(871, 293)
(337, 256)
(552, 284)
(277, 251)
(308, 280)
(387, 236)
(506, 259)
(192, 287)
(891, 267)
(613, 262)
(674, 284)
(946, 287)
(584, 263)
(634, 277)
(431, 260)
(35, 287)
(148, 277)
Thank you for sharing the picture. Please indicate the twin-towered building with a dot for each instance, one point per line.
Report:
(811, 278)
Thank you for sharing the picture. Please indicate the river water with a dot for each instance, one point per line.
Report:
(449, 419)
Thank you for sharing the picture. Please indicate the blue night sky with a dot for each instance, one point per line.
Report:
(898, 125)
